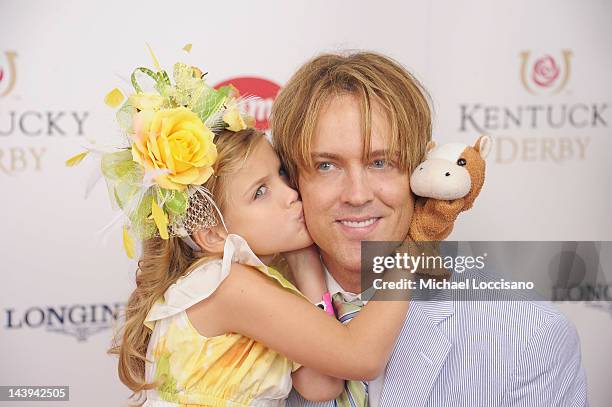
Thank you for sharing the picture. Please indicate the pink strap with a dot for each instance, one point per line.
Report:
(329, 308)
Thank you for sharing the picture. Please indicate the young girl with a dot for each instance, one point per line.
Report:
(209, 322)
(223, 328)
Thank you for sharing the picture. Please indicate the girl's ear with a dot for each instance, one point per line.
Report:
(211, 240)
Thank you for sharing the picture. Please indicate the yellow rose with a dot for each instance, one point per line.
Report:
(177, 141)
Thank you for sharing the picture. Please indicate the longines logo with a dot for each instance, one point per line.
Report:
(8, 72)
(544, 76)
(582, 275)
(20, 127)
(77, 320)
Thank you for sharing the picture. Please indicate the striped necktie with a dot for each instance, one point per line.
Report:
(355, 392)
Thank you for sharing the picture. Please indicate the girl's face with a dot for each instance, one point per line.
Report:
(262, 208)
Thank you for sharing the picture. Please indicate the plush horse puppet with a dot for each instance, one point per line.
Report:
(447, 183)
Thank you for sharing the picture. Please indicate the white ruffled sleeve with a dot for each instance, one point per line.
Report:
(201, 282)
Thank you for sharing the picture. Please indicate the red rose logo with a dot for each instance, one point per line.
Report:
(7, 72)
(266, 92)
(545, 71)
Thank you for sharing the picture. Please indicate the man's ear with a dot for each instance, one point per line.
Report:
(210, 240)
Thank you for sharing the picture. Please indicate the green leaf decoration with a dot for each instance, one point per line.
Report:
(125, 117)
(209, 102)
(161, 79)
(187, 87)
(147, 72)
(139, 218)
(120, 166)
(177, 203)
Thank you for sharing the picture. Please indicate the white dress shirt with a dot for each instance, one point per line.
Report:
(375, 386)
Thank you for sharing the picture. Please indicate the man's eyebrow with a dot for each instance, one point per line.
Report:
(376, 153)
(258, 182)
(330, 156)
(380, 153)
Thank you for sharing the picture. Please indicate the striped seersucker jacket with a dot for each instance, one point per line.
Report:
(481, 353)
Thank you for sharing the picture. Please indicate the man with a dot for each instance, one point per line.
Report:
(349, 130)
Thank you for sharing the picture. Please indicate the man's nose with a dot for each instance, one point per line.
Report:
(357, 190)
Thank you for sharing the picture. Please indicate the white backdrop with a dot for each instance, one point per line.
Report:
(533, 74)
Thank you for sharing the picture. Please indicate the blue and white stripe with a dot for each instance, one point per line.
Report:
(505, 353)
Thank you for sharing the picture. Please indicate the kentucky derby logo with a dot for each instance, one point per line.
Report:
(8, 73)
(265, 92)
(545, 74)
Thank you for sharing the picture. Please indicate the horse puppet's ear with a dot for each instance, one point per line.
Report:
(483, 145)
(431, 144)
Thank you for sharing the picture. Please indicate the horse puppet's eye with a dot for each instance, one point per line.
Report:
(461, 162)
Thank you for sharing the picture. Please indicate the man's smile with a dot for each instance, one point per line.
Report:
(358, 227)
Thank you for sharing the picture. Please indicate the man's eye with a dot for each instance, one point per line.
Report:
(261, 191)
(380, 164)
(324, 166)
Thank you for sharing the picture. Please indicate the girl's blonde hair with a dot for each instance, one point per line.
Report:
(163, 262)
(367, 76)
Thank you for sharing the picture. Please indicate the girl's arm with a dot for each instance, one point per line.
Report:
(250, 303)
(307, 272)
(309, 277)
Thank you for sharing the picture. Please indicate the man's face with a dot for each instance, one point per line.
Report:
(347, 200)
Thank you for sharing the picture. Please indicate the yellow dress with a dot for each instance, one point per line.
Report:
(225, 370)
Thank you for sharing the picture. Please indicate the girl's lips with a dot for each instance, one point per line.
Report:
(300, 216)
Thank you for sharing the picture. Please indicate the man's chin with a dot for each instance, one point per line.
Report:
(347, 254)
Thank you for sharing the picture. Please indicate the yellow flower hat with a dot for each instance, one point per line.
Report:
(171, 151)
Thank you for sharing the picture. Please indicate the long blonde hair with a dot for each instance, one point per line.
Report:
(163, 262)
(369, 77)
